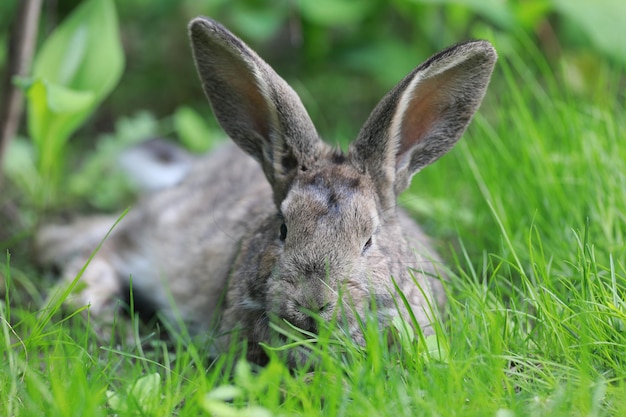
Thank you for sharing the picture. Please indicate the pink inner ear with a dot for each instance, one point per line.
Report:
(253, 104)
(234, 76)
(257, 110)
(429, 100)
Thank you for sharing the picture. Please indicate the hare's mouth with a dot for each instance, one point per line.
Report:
(297, 329)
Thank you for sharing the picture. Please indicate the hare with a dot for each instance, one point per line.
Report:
(282, 227)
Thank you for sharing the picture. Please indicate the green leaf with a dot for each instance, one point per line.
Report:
(115, 401)
(64, 100)
(503, 412)
(192, 130)
(54, 113)
(435, 350)
(217, 401)
(52, 108)
(76, 68)
(225, 393)
(222, 409)
(219, 408)
(146, 389)
(144, 394)
(84, 52)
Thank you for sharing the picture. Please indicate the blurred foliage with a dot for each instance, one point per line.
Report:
(328, 46)
(340, 55)
(87, 184)
(74, 70)
(193, 132)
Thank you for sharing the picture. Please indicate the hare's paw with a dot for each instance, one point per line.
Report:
(98, 288)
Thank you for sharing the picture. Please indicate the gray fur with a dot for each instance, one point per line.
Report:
(319, 232)
(155, 164)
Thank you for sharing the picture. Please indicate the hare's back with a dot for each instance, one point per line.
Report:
(216, 201)
(189, 234)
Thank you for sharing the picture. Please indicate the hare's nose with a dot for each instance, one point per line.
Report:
(307, 314)
(314, 305)
(326, 307)
(302, 321)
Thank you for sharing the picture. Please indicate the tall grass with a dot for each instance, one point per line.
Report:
(529, 209)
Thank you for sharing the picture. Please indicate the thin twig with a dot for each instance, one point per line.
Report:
(21, 50)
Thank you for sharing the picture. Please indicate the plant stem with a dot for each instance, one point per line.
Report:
(21, 50)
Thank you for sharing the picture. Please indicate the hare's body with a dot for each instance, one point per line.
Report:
(297, 232)
(192, 230)
(180, 244)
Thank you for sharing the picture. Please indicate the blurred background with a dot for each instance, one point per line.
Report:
(341, 56)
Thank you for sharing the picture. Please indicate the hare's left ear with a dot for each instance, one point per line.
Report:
(255, 107)
(423, 116)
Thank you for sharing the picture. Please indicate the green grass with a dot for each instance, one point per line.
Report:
(530, 211)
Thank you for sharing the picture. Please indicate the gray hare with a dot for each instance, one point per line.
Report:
(283, 227)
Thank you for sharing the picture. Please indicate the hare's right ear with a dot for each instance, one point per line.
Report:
(423, 116)
(255, 107)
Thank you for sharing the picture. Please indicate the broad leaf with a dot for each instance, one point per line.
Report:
(75, 69)
(143, 396)
(52, 109)
(84, 52)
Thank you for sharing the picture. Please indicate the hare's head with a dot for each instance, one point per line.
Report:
(336, 231)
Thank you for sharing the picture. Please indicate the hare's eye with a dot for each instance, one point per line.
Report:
(367, 245)
(283, 231)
